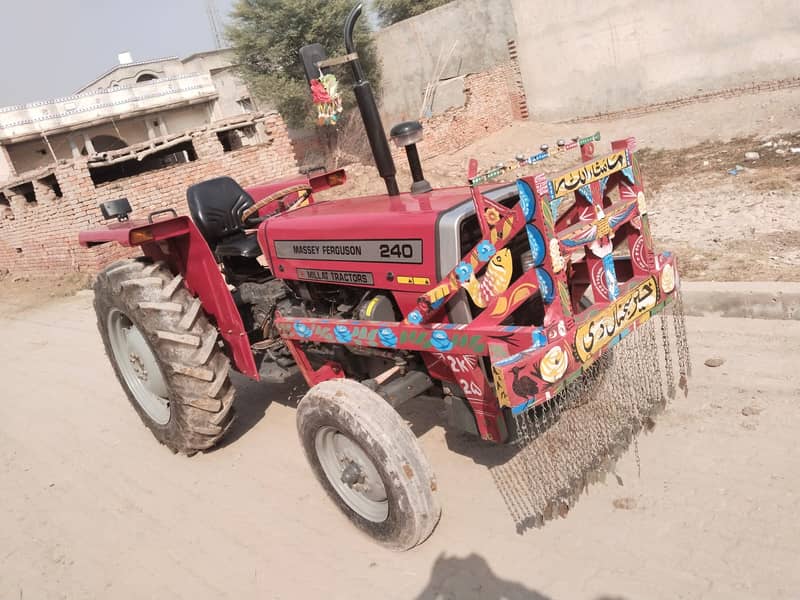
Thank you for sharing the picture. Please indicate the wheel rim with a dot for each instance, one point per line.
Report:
(139, 367)
(352, 474)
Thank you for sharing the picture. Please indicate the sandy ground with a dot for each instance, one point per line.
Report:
(93, 507)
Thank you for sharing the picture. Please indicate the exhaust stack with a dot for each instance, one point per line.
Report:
(369, 110)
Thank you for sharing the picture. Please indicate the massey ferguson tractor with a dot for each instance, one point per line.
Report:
(503, 302)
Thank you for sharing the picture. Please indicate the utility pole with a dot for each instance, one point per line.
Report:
(213, 20)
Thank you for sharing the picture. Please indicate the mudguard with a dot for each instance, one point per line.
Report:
(178, 243)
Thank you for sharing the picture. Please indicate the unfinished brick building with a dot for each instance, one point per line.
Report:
(145, 131)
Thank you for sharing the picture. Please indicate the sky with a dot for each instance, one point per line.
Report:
(51, 48)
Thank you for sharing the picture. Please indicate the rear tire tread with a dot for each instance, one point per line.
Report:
(185, 344)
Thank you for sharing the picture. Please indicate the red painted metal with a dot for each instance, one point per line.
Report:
(402, 217)
(180, 244)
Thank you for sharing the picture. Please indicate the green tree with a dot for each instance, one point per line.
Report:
(392, 11)
(267, 35)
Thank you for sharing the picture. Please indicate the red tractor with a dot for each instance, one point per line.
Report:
(491, 298)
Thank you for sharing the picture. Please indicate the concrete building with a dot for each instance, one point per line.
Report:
(151, 102)
(144, 131)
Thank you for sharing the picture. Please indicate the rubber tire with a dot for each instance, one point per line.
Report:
(200, 392)
(382, 434)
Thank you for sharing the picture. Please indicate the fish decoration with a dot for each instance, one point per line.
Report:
(494, 282)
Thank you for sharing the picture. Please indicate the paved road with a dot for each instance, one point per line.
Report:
(92, 507)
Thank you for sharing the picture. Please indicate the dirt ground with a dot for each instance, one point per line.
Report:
(93, 507)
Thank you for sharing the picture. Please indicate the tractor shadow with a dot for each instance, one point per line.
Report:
(471, 577)
(253, 399)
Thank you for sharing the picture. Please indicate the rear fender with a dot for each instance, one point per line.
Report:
(179, 244)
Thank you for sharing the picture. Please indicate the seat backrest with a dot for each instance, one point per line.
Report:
(216, 207)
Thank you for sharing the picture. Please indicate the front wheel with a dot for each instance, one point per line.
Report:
(369, 462)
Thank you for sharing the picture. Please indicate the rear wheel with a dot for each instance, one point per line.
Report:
(165, 354)
(369, 462)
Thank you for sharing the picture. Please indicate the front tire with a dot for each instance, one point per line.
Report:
(369, 462)
(165, 353)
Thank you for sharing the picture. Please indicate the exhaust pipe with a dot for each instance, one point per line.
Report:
(369, 111)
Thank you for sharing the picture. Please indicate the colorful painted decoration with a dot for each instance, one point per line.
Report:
(667, 279)
(327, 98)
(440, 341)
(640, 200)
(554, 364)
(464, 271)
(494, 282)
(342, 334)
(526, 201)
(536, 242)
(415, 317)
(586, 192)
(611, 276)
(545, 285)
(387, 337)
(555, 256)
(485, 250)
(539, 338)
(302, 330)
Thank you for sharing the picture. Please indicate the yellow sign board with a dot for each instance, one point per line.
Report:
(589, 173)
(594, 334)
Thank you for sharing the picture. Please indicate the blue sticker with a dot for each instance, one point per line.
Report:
(628, 173)
(614, 221)
(486, 250)
(414, 317)
(539, 338)
(546, 288)
(342, 334)
(611, 276)
(387, 337)
(510, 360)
(302, 329)
(555, 204)
(526, 201)
(440, 341)
(463, 272)
(603, 184)
(536, 242)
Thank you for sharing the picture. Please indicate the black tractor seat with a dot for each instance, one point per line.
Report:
(239, 245)
(216, 207)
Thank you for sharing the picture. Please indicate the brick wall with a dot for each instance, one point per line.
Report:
(493, 101)
(42, 237)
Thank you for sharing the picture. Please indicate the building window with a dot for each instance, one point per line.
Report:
(174, 155)
(51, 182)
(25, 190)
(106, 143)
(246, 104)
(145, 77)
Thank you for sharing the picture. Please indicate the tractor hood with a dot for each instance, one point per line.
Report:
(404, 242)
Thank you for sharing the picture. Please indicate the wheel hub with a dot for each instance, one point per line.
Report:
(138, 366)
(353, 475)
